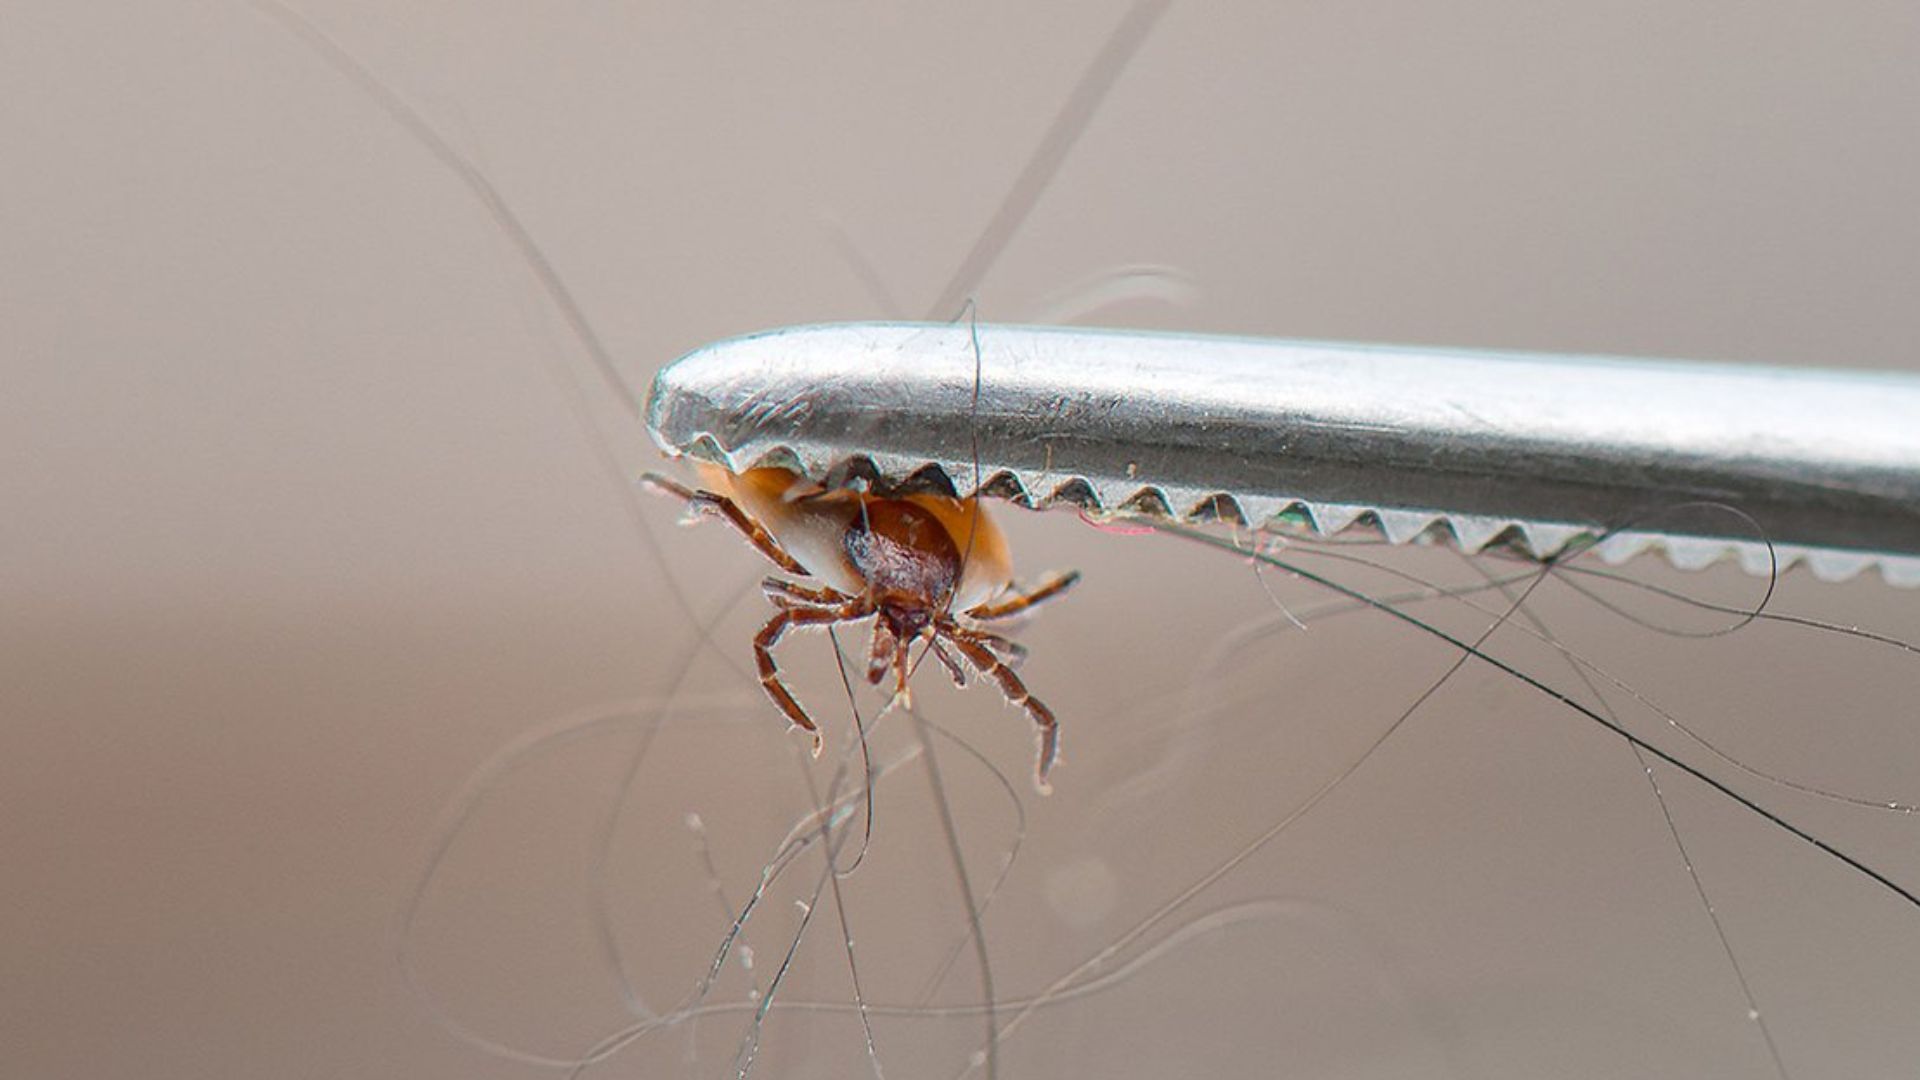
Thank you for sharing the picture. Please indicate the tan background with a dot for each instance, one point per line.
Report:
(301, 529)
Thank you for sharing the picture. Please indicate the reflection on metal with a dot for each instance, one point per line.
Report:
(1533, 452)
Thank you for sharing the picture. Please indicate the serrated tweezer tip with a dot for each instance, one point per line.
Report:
(1535, 452)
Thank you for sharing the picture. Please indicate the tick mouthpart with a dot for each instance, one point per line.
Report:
(907, 624)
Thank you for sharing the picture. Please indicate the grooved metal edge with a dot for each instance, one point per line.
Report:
(1467, 533)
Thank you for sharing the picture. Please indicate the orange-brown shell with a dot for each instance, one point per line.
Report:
(811, 523)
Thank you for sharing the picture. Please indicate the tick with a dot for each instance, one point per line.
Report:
(924, 566)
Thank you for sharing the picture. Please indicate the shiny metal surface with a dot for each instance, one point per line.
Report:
(1534, 449)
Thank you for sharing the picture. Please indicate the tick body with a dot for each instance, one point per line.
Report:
(923, 567)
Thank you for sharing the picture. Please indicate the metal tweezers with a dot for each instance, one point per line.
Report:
(1536, 453)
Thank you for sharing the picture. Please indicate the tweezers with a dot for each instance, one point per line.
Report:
(1534, 453)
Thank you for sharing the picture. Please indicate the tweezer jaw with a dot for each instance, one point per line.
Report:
(1534, 453)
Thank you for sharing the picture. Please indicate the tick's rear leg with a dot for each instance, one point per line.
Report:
(1020, 602)
(947, 661)
(763, 644)
(1011, 652)
(756, 534)
(970, 645)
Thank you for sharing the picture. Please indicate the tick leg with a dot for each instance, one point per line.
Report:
(791, 594)
(756, 534)
(1013, 605)
(946, 660)
(669, 486)
(763, 644)
(982, 658)
(1012, 652)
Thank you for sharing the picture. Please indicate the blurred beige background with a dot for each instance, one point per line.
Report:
(303, 529)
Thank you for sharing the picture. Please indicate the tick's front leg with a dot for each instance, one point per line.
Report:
(756, 534)
(763, 644)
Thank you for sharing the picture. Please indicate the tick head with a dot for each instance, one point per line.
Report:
(907, 619)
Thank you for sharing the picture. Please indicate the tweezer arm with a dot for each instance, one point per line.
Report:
(1532, 449)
